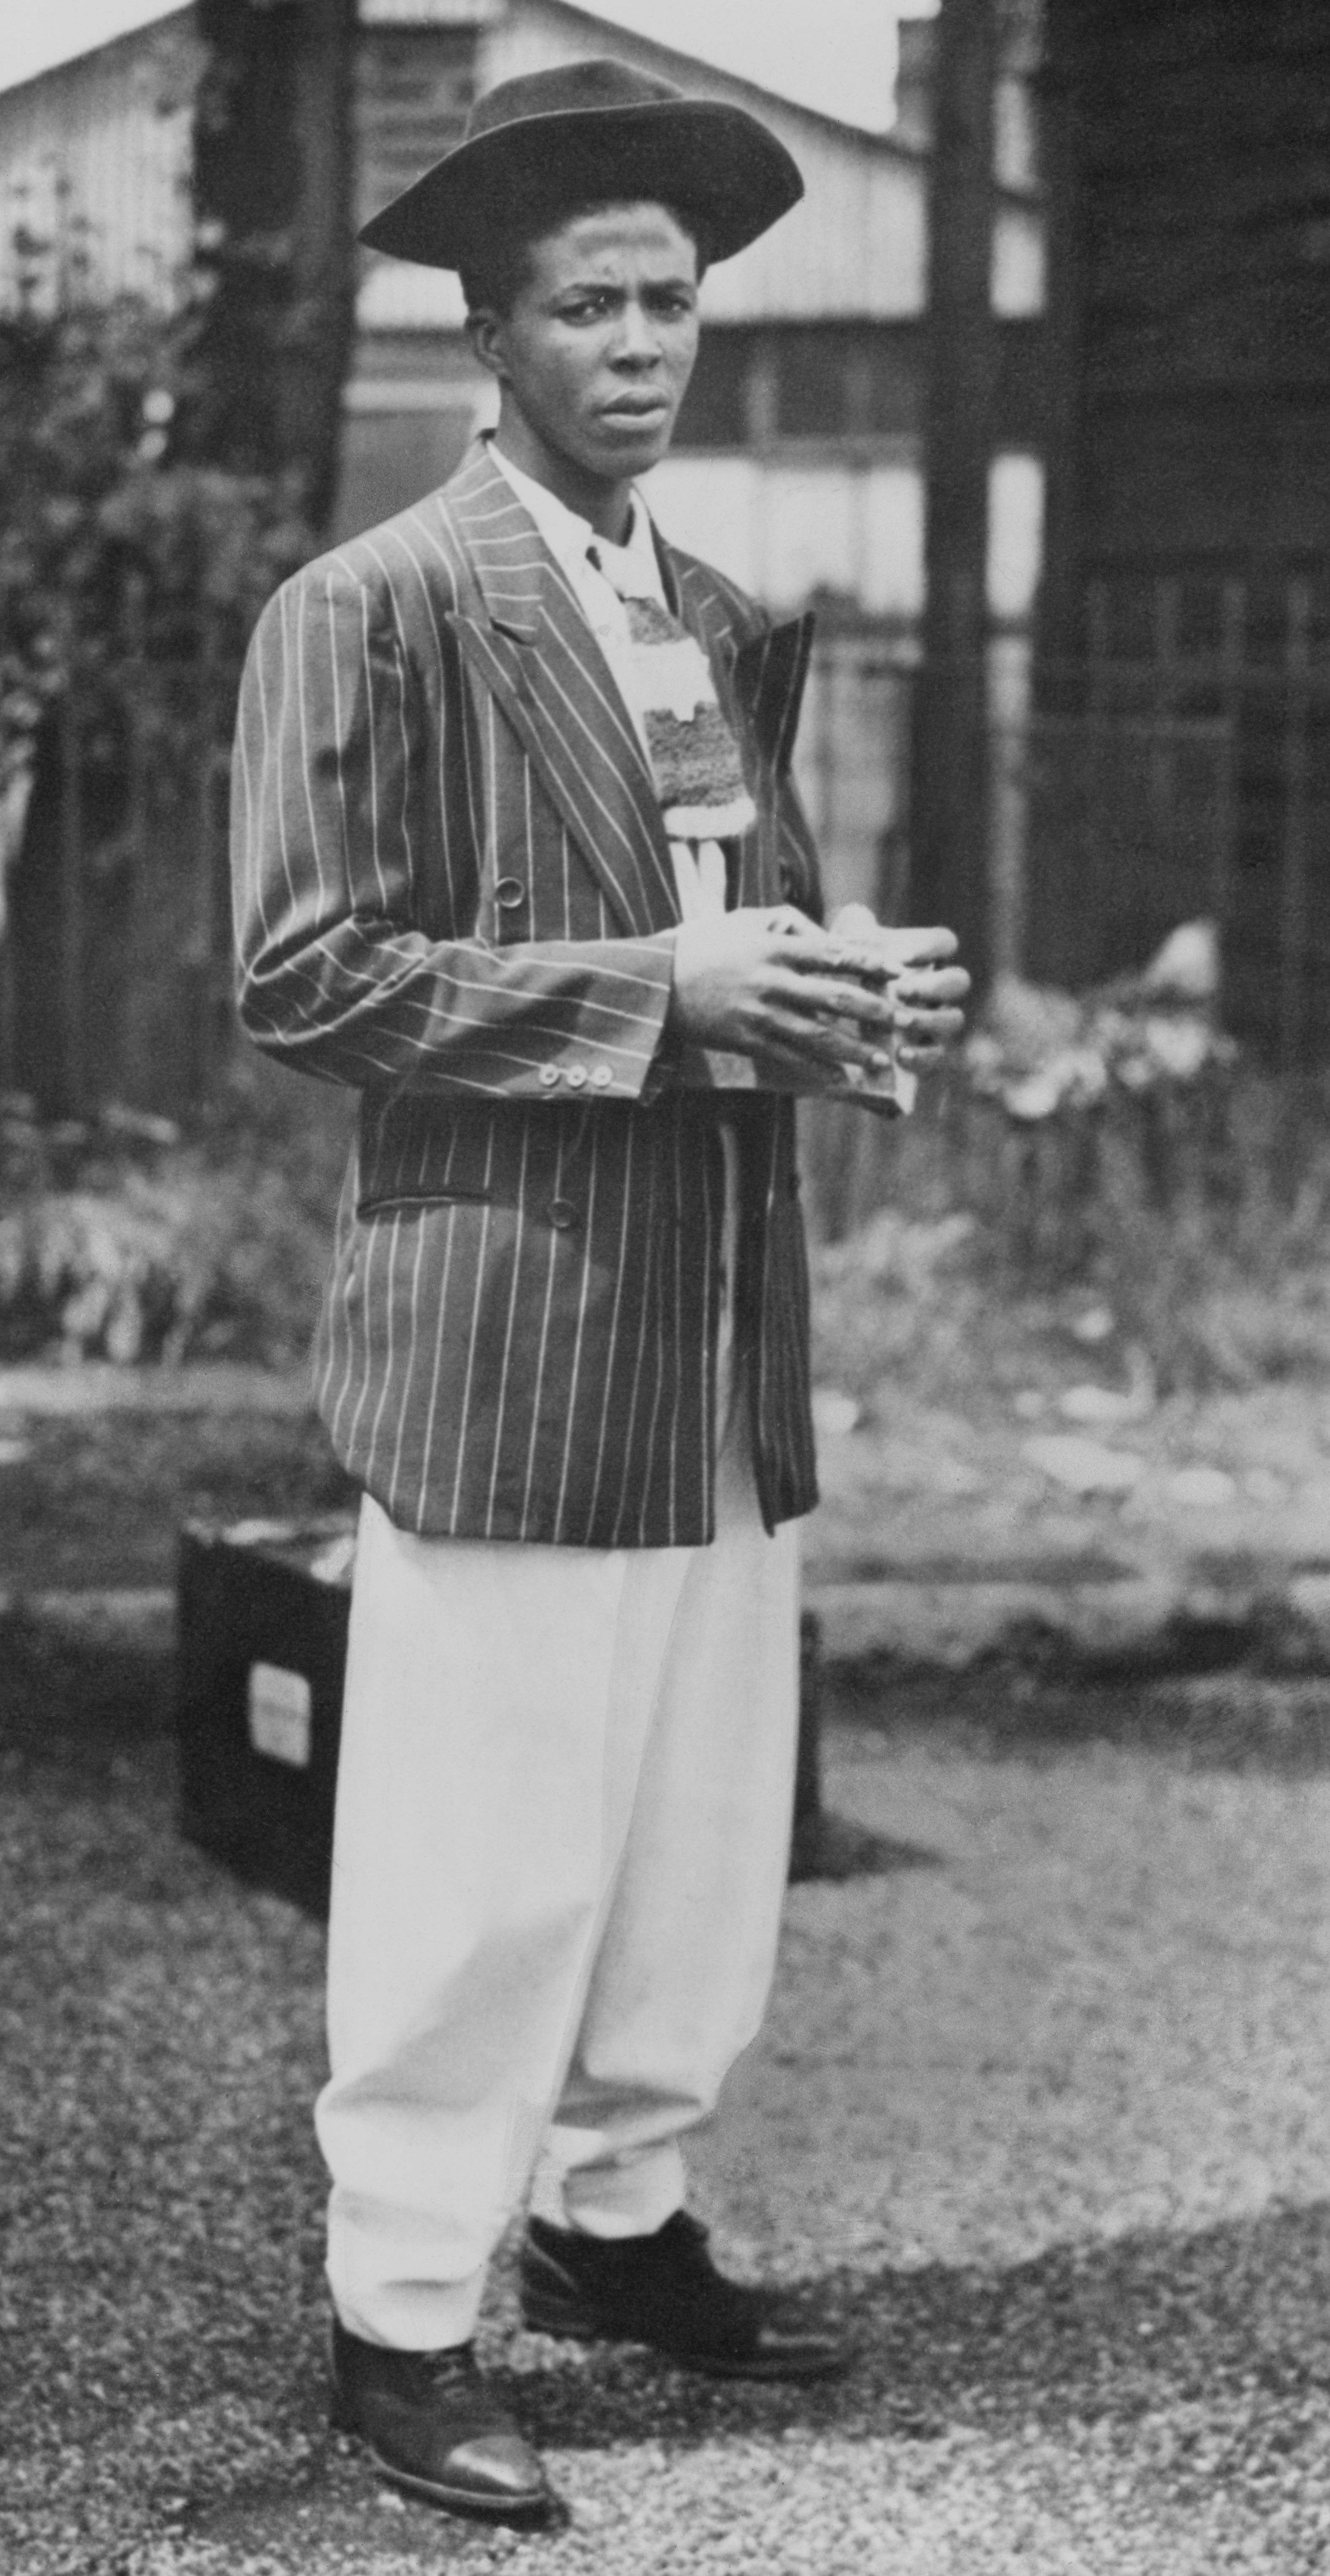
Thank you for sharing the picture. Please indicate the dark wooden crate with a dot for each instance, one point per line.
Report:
(263, 1609)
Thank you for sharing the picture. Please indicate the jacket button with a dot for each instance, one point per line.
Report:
(601, 1076)
(510, 892)
(575, 1076)
(548, 1075)
(563, 1214)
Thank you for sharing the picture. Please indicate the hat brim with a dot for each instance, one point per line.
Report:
(704, 157)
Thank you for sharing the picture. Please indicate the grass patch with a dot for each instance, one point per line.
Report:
(127, 1239)
(100, 1502)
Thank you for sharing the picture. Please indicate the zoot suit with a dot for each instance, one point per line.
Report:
(564, 1794)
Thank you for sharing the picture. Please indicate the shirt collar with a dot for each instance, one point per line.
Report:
(568, 536)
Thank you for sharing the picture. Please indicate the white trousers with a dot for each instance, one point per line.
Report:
(563, 1815)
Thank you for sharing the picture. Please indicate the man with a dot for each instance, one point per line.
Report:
(517, 854)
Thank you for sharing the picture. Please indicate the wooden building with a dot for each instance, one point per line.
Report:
(1188, 570)
(808, 397)
(807, 401)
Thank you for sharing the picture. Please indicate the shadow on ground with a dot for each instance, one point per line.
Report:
(1195, 2358)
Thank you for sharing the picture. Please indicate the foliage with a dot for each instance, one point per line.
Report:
(1177, 1240)
(1052, 1053)
(1191, 1217)
(111, 555)
(1113, 1149)
(122, 1240)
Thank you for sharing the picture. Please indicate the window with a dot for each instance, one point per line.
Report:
(715, 412)
(806, 381)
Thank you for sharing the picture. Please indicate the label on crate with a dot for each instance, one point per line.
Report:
(281, 1715)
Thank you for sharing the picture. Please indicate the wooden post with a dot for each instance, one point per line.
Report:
(1232, 651)
(1163, 745)
(72, 1059)
(949, 852)
(1294, 923)
(1061, 640)
(200, 960)
(137, 1063)
(273, 182)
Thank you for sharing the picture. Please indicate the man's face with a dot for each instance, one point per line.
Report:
(596, 351)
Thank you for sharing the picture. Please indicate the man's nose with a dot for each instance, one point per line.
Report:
(637, 342)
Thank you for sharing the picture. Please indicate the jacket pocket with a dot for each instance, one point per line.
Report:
(411, 1202)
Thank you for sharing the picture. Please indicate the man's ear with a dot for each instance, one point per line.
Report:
(485, 331)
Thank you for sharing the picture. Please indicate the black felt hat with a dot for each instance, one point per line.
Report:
(587, 133)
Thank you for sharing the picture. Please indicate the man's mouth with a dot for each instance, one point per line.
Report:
(641, 407)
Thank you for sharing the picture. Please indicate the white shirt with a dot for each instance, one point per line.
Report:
(699, 866)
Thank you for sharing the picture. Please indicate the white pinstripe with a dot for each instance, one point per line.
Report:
(472, 1345)
(575, 1372)
(402, 1410)
(505, 1379)
(552, 1258)
(628, 1456)
(619, 1274)
(387, 1376)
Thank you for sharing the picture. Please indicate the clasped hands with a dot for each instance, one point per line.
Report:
(806, 1004)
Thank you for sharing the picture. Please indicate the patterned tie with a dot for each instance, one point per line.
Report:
(694, 756)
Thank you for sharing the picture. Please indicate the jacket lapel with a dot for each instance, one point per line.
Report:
(534, 650)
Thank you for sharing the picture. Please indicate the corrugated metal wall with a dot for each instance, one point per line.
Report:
(856, 247)
(107, 137)
(96, 157)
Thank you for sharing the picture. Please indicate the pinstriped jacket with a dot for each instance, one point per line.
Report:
(453, 891)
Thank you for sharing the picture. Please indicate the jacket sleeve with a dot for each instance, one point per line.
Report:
(334, 747)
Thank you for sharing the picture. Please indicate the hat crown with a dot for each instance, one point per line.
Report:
(589, 133)
(572, 89)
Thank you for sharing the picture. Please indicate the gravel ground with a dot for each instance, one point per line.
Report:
(1043, 2112)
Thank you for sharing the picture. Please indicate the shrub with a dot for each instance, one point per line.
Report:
(120, 1240)
(129, 584)
(1195, 1217)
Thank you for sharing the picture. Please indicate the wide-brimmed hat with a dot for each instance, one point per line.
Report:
(588, 133)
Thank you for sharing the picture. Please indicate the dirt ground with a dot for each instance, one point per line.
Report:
(94, 1498)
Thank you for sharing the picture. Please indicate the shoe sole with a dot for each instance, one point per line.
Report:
(525, 2511)
(707, 2365)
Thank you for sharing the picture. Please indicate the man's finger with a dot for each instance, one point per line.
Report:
(933, 984)
(826, 1042)
(812, 953)
(822, 997)
(903, 948)
(941, 1025)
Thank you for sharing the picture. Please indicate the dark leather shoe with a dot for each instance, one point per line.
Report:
(436, 2430)
(664, 2290)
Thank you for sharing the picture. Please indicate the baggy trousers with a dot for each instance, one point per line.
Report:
(562, 1833)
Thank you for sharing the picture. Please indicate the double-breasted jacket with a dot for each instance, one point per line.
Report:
(453, 891)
